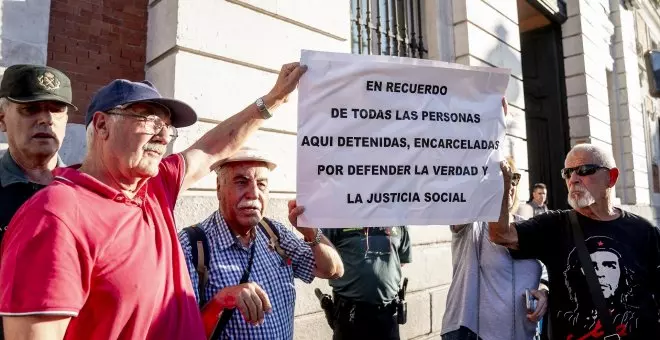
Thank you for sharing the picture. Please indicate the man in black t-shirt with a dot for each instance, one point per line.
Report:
(624, 249)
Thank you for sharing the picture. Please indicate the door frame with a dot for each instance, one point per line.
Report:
(561, 93)
(554, 10)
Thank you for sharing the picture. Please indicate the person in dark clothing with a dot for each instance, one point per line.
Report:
(624, 250)
(537, 204)
(365, 298)
(34, 108)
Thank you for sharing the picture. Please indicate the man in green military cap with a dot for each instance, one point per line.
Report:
(34, 108)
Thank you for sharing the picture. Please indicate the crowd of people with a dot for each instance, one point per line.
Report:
(91, 251)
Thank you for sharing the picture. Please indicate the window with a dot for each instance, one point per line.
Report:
(387, 27)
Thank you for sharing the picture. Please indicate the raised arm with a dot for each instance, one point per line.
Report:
(503, 232)
(226, 138)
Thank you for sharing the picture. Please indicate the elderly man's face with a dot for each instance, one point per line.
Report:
(243, 193)
(584, 191)
(134, 142)
(34, 129)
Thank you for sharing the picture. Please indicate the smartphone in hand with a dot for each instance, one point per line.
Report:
(530, 301)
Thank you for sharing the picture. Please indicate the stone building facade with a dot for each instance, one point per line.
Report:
(579, 73)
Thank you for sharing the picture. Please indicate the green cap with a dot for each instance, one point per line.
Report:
(33, 83)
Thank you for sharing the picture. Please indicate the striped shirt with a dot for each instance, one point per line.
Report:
(228, 259)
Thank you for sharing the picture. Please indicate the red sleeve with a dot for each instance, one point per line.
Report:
(44, 268)
(171, 171)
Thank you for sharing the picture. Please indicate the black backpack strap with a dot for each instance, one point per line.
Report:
(590, 274)
(226, 314)
(269, 229)
(273, 234)
(200, 258)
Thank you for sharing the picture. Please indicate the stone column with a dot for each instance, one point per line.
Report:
(486, 33)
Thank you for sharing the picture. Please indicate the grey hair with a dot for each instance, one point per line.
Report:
(91, 133)
(4, 102)
(601, 156)
(221, 172)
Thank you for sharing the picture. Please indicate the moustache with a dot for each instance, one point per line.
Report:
(578, 189)
(155, 147)
(249, 205)
(45, 132)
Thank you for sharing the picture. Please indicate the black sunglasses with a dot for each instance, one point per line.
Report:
(582, 170)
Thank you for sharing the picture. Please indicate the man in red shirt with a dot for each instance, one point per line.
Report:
(95, 255)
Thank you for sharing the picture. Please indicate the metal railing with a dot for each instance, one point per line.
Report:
(387, 27)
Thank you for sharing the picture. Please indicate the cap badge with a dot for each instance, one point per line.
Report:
(48, 81)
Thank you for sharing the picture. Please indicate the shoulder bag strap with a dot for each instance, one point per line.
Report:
(273, 238)
(226, 314)
(200, 258)
(590, 274)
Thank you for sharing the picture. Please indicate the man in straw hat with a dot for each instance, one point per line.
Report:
(252, 260)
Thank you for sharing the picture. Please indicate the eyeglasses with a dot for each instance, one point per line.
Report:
(153, 125)
(582, 170)
(515, 179)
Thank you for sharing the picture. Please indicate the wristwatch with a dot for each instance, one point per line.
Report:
(262, 108)
(317, 238)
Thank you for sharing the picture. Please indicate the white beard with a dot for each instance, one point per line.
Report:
(584, 201)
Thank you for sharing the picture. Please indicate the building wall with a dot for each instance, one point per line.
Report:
(628, 119)
(587, 60)
(604, 95)
(486, 33)
(23, 36)
(92, 42)
(644, 26)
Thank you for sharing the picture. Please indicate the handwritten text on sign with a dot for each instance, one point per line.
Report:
(388, 141)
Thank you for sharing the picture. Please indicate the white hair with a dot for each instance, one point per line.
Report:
(4, 102)
(220, 172)
(90, 136)
(91, 133)
(601, 156)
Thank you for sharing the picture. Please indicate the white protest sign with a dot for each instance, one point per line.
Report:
(386, 141)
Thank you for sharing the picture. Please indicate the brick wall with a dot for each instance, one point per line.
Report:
(96, 41)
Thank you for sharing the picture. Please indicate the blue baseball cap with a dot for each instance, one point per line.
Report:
(121, 92)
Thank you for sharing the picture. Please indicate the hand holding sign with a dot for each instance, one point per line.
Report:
(294, 211)
(287, 81)
(507, 173)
